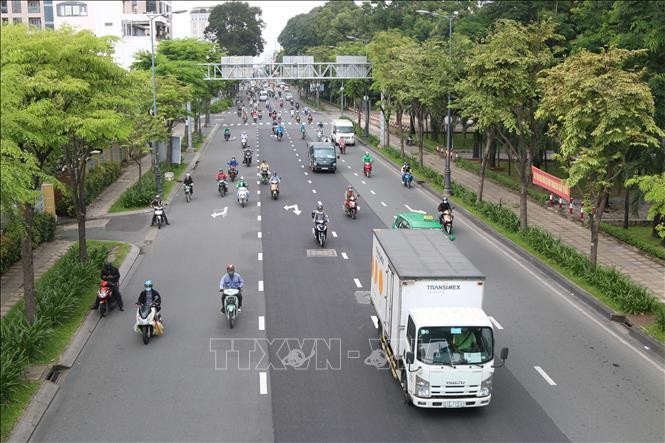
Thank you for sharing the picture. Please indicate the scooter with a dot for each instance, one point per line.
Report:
(243, 196)
(159, 216)
(351, 207)
(319, 136)
(265, 176)
(446, 220)
(188, 192)
(320, 231)
(280, 134)
(407, 178)
(243, 143)
(260, 115)
(222, 187)
(342, 146)
(302, 133)
(227, 136)
(309, 119)
(247, 157)
(274, 190)
(367, 169)
(146, 321)
(231, 305)
(105, 297)
(233, 173)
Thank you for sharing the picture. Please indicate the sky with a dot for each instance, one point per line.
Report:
(275, 15)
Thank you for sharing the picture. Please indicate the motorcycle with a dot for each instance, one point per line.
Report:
(342, 146)
(255, 118)
(146, 321)
(233, 173)
(243, 196)
(239, 113)
(265, 176)
(260, 115)
(351, 207)
(319, 135)
(280, 134)
(274, 190)
(320, 231)
(159, 216)
(227, 136)
(247, 157)
(407, 178)
(105, 297)
(367, 169)
(222, 187)
(244, 118)
(188, 192)
(231, 305)
(243, 144)
(309, 119)
(297, 119)
(446, 220)
(302, 133)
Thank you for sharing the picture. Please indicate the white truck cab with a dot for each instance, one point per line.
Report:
(342, 128)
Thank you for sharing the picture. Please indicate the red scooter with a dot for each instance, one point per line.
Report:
(104, 295)
(342, 146)
(367, 169)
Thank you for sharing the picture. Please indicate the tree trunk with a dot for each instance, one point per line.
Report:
(656, 221)
(493, 155)
(626, 208)
(524, 182)
(421, 141)
(360, 112)
(483, 164)
(387, 130)
(207, 112)
(28, 268)
(595, 220)
(412, 123)
(77, 176)
(401, 131)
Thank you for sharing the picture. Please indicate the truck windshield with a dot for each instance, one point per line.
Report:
(345, 129)
(324, 153)
(440, 345)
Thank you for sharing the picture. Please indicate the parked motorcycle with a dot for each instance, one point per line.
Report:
(105, 297)
(320, 232)
(243, 196)
(188, 192)
(351, 207)
(231, 305)
(158, 212)
(233, 173)
(247, 157)
(367, 169)
(274, 190)
(407, 178)
(446, 220)
(222, 187)
(146, 321)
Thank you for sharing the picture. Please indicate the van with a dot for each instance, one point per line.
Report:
(342, 128)
(322, 156)
(263, 96)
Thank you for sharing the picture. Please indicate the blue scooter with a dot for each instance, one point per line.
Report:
(407, 178)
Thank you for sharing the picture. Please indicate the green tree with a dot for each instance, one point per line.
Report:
(236, 27)
(599, 111)
(653, 189)
(500, 89)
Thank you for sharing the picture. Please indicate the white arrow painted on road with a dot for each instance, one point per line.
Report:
(417, 211)
(216, 214)
(296, 211)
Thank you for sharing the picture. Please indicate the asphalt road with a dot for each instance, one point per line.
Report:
(569, 376)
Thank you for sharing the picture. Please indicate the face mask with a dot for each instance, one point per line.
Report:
(148, 289)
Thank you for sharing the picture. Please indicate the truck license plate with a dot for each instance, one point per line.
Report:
(453, 404)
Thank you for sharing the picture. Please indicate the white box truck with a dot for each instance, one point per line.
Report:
(428, 299)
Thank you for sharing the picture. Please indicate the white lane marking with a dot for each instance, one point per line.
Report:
(357, 282)
(258, 203)
(258, 182)
(313, 191)
(258, 192)
(547, 378)
(259, 234)
(309, 181)
(344, 256)
(334, 234)
(263, 383)
(384, 204)
(262, 323)
(260, 285)
(260, 256)
(294, 149)
(375, 320)
(297, 155)
(373, 193)
(343, 161)
(495, 323)
(417, 211)
(349, 167)
(300, 159)
(258, 218)
(302, 166)
(356, 174)
(305, 173)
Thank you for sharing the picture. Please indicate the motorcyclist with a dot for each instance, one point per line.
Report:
(242, 183)
(279, 131)
(275, 178)
(297, 105)
(367, 158)
(233, 163)
(157, 203)
(221, 175)
(348, 195)
(227, 133)
(111, 274)
(320, 126)
(231, 280)
(189, 181)
(405, 168)
(443, 207)
(243, 137)
(150, 296)
(264, 167)
(302, 128)
(319, 214)
(247, 153)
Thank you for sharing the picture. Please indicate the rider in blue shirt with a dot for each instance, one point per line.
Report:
(233, 163)
(231, 280)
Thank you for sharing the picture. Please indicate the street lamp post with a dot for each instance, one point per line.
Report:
(155, 151)
(366, 96)
(449, 117)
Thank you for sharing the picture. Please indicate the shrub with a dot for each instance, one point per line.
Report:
(12, 365)
(220, 105)
(43, 229)
(95, 182)
(141, 193)
(660, 317)
(16, 333)
(621, 234)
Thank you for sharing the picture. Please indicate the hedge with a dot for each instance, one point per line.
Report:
(141, 193)
(58, 292)
(96, 182)
(43, 229)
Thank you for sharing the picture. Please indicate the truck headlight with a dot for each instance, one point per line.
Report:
(422, 387)
(485, 387)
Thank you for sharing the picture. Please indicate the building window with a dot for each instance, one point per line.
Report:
(16, 6)
(35, 21)
(33, 7)
(108, 24)
(48, 13)
(72, 9)
(5, 20)
(150, 6)
(3, 7)
(18, 20)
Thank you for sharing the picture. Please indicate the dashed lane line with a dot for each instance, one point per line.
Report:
(547, 378)
(263, 383)
(384, 204)
(495, 323)
(334, 234)
(357, 282)
(259, 234)
(260, 285)
(375, 320)
(262, 323)
(344, 256)
(260, 256)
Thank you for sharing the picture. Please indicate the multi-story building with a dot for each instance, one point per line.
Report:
(199, 20)
(38, 13)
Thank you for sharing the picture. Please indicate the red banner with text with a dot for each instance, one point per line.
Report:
(550, 182)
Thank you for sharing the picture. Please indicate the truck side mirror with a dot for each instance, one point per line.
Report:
(504, 353)
(409, 358)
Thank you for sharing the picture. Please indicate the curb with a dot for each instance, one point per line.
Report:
(605, 312)
(42, 400)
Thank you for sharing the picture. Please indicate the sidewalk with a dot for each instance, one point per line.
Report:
(645, 270)
(46, 254)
